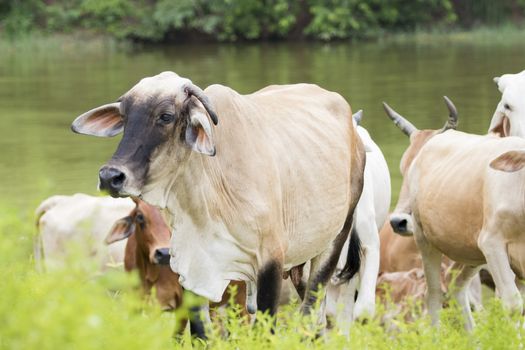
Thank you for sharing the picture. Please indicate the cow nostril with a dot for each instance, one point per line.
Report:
(399, 225)
(111, 179)
(118, 180)
(162, 256)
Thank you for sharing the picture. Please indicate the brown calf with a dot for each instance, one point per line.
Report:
(147, 251)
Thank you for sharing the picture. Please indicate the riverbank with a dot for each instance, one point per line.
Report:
(89, 42)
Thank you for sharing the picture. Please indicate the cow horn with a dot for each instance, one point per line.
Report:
(452, 122)
(193, 90)
(406, 127)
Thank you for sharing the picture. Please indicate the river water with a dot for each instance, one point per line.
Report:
(41, 92)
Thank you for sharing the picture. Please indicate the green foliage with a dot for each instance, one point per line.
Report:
(232, 20)
(339, 19)
(78, 308)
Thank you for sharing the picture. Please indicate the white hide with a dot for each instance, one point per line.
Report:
(79, 221)
(371, 212)
(211, 247)
(511, 105)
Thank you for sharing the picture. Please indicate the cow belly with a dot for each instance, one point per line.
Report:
(516, 252)
(311, 243)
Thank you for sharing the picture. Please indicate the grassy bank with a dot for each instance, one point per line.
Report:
(84, 42)
(76, 308)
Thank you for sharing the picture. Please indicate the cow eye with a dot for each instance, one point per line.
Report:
(139, 218)
(507, 107)
(166, 118)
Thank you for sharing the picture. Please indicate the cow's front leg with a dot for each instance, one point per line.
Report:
(269, 281)
(199, 317)
(432, 266)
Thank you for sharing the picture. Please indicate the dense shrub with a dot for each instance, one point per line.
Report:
(230, 20)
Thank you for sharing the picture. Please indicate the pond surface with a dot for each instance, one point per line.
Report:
(42, 92)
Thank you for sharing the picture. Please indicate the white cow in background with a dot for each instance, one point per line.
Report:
(79, 220)
(509, 117)
(371, 212)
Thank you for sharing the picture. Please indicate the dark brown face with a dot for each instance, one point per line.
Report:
(163, 118)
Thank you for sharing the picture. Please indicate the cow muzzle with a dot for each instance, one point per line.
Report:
(112, 180)
(162, 256)
(402, 224)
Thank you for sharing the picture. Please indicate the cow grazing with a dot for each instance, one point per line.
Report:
(148, 239)
(509, 116)
(455, 204)
(272, 186)
(81, 220)
(371, 212)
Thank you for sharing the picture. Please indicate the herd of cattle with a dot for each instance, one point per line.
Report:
(284, 185)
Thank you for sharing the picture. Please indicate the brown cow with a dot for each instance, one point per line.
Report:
(457, 201)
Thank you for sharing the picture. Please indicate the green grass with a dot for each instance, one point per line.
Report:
(483, 35)
(79, 42)
(78, 308)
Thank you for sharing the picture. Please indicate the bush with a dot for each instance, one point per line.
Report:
(232, 20)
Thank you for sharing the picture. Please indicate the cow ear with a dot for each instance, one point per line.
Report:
(122, 229)
(103, 121)
(499, 124)
(502, 81)
(198, 134)
(509, 161)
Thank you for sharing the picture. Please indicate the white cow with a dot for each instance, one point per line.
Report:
(509, 117)
(271, 186)
(79, 220)
(371, 212)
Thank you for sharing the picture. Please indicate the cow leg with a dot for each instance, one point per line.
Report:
(199, 316)
(269, 281)
(347, 298)
(369, 236)
(432, 266)
(322, 267)
(474, 293)
(461, 294)
(495, 252)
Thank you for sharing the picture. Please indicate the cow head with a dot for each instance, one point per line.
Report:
(509, 117)
(146, 250)
(164, 118)
(401, 217)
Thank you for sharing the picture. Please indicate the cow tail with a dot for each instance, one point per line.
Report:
(38, 249)
(353, 259)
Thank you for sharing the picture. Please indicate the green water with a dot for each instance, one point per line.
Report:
(42, 91)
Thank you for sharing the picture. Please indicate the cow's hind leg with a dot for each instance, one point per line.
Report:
(365, 303)
(461, 294)
(322, 267)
